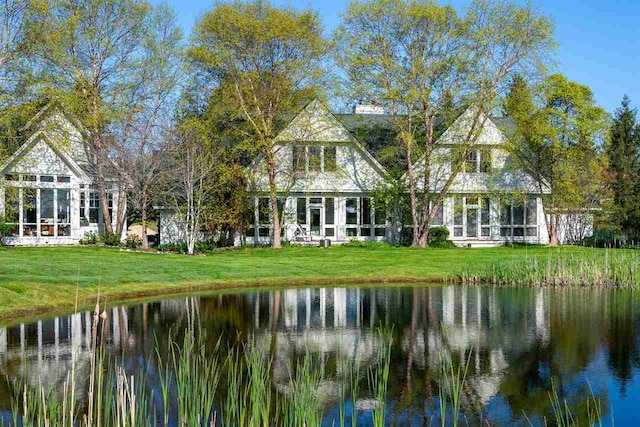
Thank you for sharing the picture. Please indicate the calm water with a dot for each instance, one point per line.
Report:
(520, 340)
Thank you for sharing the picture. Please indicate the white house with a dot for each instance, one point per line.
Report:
(326, 180)
(47, 188)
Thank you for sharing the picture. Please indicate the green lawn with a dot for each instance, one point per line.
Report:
(35, 280)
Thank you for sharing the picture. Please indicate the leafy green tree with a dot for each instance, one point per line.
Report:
(421, 61)
(264, 61)
(558, 131)
(622, 151)
(98, 56)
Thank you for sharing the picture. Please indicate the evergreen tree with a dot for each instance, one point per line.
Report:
(622, 151)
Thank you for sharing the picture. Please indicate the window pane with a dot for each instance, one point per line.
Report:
(365, 232)
(64, 206)
(329, 211)
(315, 200)
(110, 205)
(263, 210)
(486, 231)
(438, 218)
(532, 212)
(505, 231)
(532, 231)
(505, 213)
(471, 163)
(46, 212)
(457, 211)
(352, 232)
(518, 231)
(352, 211)
(457, 231)
(485, 161)
(518, 213)
(380, 231)
(263, 232)
(12, 205)
(484, 212)
(314, 158)
(94, 207)
(329, 232)
(298, 158)
(380, 213)
(330, 164)
(83, 213)
(302, 210)
(46, 178)
(472, 222)
(64, 179)
(366, 210)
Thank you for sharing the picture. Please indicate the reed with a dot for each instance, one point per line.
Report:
(590, 268)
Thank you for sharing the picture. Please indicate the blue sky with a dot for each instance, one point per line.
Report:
(599, 41)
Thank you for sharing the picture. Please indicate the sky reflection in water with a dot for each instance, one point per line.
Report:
(520, 339)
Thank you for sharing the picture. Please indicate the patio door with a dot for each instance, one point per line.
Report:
(316, 222)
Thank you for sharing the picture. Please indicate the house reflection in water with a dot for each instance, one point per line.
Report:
(515, 337)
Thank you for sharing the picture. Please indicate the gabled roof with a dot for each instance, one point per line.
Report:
(31, 142)
(48, 110)
(343, 134)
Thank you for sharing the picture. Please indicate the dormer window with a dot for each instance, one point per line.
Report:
(478, 161)
(314, 158)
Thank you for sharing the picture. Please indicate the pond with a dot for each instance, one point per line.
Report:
(520, 344)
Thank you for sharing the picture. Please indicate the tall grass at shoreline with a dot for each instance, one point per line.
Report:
(597, 268)
(198, 387)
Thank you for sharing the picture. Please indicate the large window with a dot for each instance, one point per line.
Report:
(314, 158)
(299, 161)
(438, 217)
(478, 160)
(263, 210)
(64, 212)
(472, 216)
(302, 210)
(329, 217)
(47, 219)
(29, 212)
(110, 205)
(12, 210)
(352, 211)
(458, 217)
(519, 218)
(94, 207)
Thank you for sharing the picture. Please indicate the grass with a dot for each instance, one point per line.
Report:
(37, 280)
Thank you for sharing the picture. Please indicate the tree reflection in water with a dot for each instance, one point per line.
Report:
(521, 341)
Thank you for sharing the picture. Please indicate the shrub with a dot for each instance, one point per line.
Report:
(172, 247)
(371, 244)
(90, 238)
(110, 239)
(133, 241)
(437, 236)
(5, 229)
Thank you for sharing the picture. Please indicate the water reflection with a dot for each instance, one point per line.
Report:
(519, 340)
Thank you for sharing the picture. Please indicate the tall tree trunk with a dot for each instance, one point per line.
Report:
(553, 229)
(145, 239)
(415, 241)
(273, 196)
